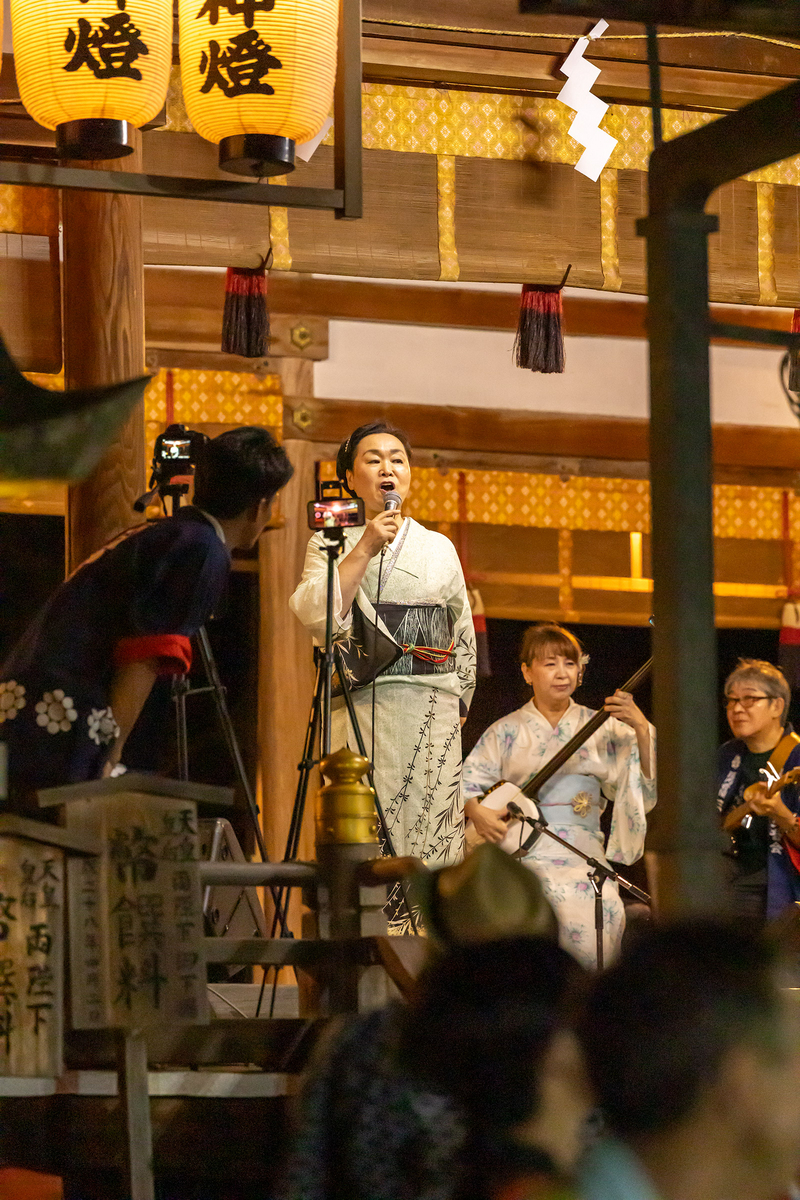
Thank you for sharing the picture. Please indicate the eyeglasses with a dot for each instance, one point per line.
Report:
(746, 702)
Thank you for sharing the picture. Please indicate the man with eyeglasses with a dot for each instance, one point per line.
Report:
(764, 833)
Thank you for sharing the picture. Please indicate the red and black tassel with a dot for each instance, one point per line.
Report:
(245, 318)
(789, 641)
(793, 382)
(539, 344)
(483, 666)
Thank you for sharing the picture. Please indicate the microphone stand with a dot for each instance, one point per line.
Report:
(598, 874)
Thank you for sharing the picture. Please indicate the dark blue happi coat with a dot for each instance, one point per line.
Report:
(783, 877)
(140, 597)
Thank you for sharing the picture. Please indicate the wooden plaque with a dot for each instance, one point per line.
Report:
(136, 924)
(31, 958)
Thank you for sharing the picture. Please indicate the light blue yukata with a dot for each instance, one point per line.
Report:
(606, 768)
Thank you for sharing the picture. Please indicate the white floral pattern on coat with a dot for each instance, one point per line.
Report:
(56, 712)
(12, 699)
(517, 746)
(103, 729)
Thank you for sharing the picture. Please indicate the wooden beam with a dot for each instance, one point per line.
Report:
(513, 431)
(194, 331)
(183, 308)
(517, 31)
(158, 359)
(436, 62)
(184, 313)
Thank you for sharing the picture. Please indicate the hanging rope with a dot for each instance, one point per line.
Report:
(571, 37)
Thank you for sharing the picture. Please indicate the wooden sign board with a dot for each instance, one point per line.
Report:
(31, 958)
(135, 913)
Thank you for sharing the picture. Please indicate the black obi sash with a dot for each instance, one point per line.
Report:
(420, 642)
(424, 632)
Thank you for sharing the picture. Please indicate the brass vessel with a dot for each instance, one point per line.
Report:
(345, 806)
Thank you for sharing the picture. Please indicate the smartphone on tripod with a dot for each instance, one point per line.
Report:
(333, 510)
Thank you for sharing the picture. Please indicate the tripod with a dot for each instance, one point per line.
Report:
(181, 688)
(598, 874)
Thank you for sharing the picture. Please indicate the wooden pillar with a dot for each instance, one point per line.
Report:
(103, 300)
(286, 665)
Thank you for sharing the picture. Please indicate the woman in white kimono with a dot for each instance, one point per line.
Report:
(424, 684)
(617, 763)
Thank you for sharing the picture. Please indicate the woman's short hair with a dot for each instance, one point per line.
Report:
(238, 469)
(548, 636)
(347, 451)
(764, 675)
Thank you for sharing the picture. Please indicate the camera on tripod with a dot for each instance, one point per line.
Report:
(174, 460)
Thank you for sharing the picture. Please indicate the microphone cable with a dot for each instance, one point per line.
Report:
(374, 649)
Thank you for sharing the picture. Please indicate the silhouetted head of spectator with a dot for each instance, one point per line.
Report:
(491, 1027)
(237, 477)
(690, 1040)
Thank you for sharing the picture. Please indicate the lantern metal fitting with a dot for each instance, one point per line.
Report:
(257, 154)
(94, 138)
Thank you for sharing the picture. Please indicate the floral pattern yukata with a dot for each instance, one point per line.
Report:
(417, 756)
(605, 768)
(141, 597)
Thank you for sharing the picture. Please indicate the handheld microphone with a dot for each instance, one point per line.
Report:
(393, 500)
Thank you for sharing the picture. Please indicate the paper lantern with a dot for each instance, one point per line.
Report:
(92, 69)
(258, 76)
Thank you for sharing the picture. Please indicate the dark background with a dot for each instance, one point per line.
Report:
(615, 653)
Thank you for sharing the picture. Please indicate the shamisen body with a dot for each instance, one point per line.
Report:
(617, 763)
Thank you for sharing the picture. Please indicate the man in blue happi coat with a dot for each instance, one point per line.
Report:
(764, 849)
(75, 684)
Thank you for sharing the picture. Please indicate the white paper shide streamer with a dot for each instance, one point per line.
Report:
(589, 111)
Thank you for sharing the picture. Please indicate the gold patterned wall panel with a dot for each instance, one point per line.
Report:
(609, 230)
(766, 243)
(426, 120)
(786, 241)
(279, 232)
(216, 398)
(733, 250)
(29, 210)
(631, 205)
(521, 223)
(440, 121)
(446, 210)
(586, 503)
(488, 125)
(398, 236)
(212, 398)
(747, 512)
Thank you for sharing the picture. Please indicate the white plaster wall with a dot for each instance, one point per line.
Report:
(606, 376)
